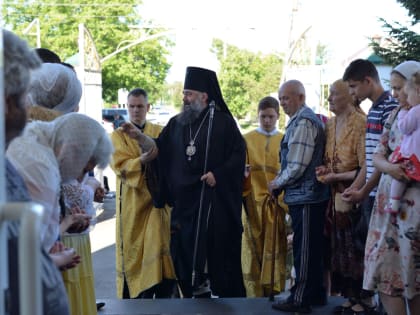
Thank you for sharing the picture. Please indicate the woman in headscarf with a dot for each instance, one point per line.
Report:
(55, 89)
(55, 86)
(392, 259)
(62, 151)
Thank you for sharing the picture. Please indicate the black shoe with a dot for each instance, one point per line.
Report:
(205, 295)
(99, 305)
(292, 308)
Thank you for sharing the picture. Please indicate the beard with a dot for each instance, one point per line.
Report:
(190, 112)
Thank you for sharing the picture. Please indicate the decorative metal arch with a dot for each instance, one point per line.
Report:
(89, 57)
(89, 72)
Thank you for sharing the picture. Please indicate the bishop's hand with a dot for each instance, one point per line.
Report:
(146, 143)
(131, 130)
(209, 179)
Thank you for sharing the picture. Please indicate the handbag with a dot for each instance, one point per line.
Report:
(340, 205)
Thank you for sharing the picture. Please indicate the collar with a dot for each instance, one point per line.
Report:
(141, 127)
(380, 100)
(297, 113)
(271, 133)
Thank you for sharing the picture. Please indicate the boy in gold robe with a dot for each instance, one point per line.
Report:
(263, 147)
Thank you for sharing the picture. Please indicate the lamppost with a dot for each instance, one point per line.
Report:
(135, 42)
(38, 31)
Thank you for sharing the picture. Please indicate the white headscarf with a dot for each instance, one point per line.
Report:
(55, 86)
(407, 68)
(75, 139)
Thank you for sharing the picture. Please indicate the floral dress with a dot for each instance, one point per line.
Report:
(392, 266)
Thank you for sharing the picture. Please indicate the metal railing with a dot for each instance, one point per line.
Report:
(29, 252)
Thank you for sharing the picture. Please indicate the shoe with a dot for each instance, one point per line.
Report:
(292, 308)
(345, 309)
(203, 289)
(99, 305)
(366, 310)
(206, 295)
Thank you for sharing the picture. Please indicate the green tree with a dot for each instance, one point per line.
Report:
(110, 23)
(322, 54)
(246, 77)
(174, 94)
(403, 43)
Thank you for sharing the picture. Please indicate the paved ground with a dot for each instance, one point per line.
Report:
(103, 246)
(228, 306)
(103, 253)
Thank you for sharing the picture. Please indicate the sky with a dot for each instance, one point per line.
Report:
(264, 26)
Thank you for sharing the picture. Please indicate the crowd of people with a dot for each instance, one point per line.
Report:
(203, 211)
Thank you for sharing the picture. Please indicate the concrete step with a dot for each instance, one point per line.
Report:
(224, 306)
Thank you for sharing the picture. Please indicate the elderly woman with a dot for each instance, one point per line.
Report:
(344, 156)
(392, 261)
(62, 151)
(19, 60)
(56, 87)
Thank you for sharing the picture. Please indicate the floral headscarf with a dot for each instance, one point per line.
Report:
(55, 86)
(75, 139)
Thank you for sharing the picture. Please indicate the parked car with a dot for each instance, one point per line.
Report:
(113, 117)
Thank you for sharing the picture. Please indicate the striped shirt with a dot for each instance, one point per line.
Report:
(376, 118)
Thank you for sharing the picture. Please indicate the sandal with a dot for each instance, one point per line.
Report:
(343, 309)
(366, 309)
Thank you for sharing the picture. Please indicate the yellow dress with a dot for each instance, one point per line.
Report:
(142, 231)
(79, 281)
(263, 156)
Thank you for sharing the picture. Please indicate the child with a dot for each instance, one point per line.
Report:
(408, 153)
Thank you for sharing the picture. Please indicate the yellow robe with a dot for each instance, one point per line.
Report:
(263, 156)
(142, 231)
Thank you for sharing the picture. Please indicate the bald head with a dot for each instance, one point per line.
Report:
(292, 96)
(294, 85)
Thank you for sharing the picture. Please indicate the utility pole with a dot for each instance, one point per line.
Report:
(291, 44)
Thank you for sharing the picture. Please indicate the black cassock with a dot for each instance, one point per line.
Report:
(180, 186)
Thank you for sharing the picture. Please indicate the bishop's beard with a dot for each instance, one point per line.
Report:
(190, 113)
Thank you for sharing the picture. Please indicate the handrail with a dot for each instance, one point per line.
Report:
(30, 216)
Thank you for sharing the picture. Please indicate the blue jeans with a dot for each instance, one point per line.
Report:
(308, 252)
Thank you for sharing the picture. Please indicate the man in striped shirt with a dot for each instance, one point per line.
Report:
(364, 83)
(302, 150)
